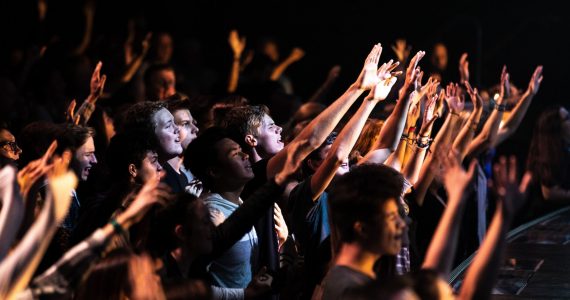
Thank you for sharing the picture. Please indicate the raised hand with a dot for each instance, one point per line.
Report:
(506, 186)
(368, 77)
(475, 97)
(412, 71)
(463, 69)
(236, 43)
(97, 83)
(387, 80)
(505, 91)
(535, 81)
(430, 112)
(454, 99)
(280, 226)
(153, 192)
(70, 113)
(455, 179)
(296, 54)
(32, 172)
(334, 72)
(194, 187)
(402, 50)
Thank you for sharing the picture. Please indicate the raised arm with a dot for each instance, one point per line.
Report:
(443, 246)
(466, 134)
(63, 276)
(413, 166)
(442, 141)
(238, 45)
(134, 64)
(392, 129)
(296, 54)
(12, 211)
(488, 135)
(314, 134)
(96, 86)
(482, 274)
(519, 111)
(345, 141)
(17, 269)
(89, 12)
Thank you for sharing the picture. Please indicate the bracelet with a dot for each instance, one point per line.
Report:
(117, 227)
(498, 107)
(422, 145)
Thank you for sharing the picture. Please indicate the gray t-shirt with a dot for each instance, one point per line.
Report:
(341, 281)
(233, 269)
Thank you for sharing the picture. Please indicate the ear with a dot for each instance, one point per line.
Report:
(179, 232)
(251, 140)
(359, 229)
(133, 170)
(312, 164)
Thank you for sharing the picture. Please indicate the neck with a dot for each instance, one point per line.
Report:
(354, 256)
(254, 156)
(175, 163)
(183, 260)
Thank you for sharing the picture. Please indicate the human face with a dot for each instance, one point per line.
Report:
(187, 126)
(565, 116)
(167, 133)
(391, 229)
(8, 146)
(85, 159)
(150, 167)
(163, 85)
(269, 138)
(233, 165)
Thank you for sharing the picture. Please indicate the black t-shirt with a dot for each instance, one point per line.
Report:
(265, 228)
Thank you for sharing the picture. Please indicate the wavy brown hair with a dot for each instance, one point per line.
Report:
(547, 158)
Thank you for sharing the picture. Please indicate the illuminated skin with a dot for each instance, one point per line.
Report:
(269, 138)
(150, 167)
(85, 159)
(233, 163)
(390, 228)
(163, 85)
(168, 135)
(187, 126)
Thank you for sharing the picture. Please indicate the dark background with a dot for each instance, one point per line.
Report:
(520, 35)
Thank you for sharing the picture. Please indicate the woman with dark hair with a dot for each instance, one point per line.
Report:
(549, 160)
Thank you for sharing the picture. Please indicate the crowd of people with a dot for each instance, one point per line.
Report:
(151, 190)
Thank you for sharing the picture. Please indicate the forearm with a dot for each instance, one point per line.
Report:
(133, 68)
(515, 119)
(413, 166)
(443, 246)
(322, 91)
(278, 71)
(488, 135)
(86, 110)
(467, 133)
(317, 131)
(240, 221)
(483, 271)
(340, 149)
(234, 75)
(17, 269)
(12, 212)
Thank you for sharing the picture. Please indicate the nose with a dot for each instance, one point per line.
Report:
(193, 128)
(278, 129)
(93, 159)
(244, 155)
(158, 167)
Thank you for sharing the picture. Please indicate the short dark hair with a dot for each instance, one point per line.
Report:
(201, 154)
(125, 149)
(137, 119)
(153, 69)
(358, 195)
(315, 154)
(243, 120)
(72, 137)
(178, 212)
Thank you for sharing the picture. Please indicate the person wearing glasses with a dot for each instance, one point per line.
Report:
(9, 150)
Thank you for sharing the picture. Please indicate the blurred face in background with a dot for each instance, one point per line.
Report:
(8, 147)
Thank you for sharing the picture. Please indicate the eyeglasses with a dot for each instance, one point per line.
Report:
(13, 145)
